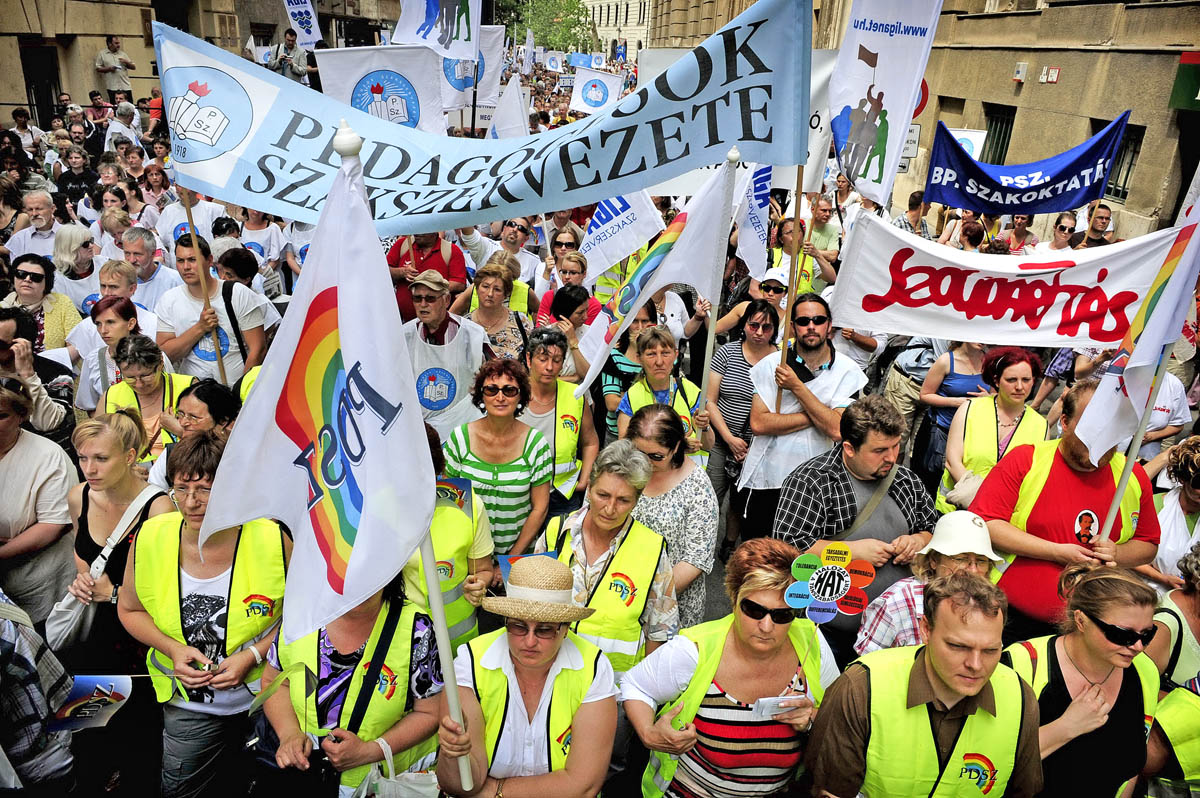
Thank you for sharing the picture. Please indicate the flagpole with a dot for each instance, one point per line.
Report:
(187, 209)
(1135, 445)
(719, 250)
(786, 338)
(474, 97)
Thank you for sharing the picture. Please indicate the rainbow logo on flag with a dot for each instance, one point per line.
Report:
(624, 299)
(308, 414)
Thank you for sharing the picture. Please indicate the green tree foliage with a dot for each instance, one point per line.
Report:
(556, 24)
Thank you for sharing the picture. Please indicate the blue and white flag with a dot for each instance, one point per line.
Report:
(875, 88)
(459, 75)
(510, 119)
(753, 219)
(398, 84)
(1060, 183)
(594, 91)
(579, 60)
(621, 50)
(597, 61)
(448, 27)
(256, 139)
(556, 61)
(527, 59)
(618, 228)
(303, 20)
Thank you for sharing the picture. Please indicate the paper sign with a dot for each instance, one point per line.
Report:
(797, 596)
(836, 554)
(455, 491)
(820, 612)
(854, 602)
(92, 702)
(829, 584)
(804, 565)
(862, 573)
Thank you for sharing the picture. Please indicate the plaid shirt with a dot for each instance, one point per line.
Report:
(817, 501)
(903, 223)
(890, 621)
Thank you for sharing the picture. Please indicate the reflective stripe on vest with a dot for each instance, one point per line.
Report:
(453, 532)
(386, 707)
(902, 759)
(710, 640)
(1179, 716)
(681, 392)
(981, 442)
(255, 599)
(1044, 453)
(121, 395)
(567, 694)
(518, 300)
(619, 596)
(568, 420)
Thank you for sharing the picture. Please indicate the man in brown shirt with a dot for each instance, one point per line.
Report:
(949, 679)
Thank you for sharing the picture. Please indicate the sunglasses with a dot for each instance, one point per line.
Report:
(545, 631)
(772, 289)
(1120, 636)
(33, 277)
(657, 457)
(86, 244)
(567, 244)
(508, 390)
(756, 612)
(804, 321)
(1063, 228)
(760, 326)
(421, 299)
(519, 227)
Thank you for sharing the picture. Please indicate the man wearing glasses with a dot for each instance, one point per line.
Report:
(513, 236)
(51, 385)
(1099, 222)
(411, 255)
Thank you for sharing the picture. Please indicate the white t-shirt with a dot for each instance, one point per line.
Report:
(149, 292)
(178, 310)
(862, 357)
(172, 223)
(267, 243)
(522, 749)
(83, 292)
(772, 457)
(1043, 248)
(85, 338)
(481, 249)
(1170, 409)
(299, 235)
(674, 315)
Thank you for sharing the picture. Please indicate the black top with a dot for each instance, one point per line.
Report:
(88, 549)
(1120, 743)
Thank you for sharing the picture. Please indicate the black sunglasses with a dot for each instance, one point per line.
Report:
(508, 390)
(1063, 228)
(772, 289)
(1120, 636)
(567, 244)
(33, 277)
(756, 612)
(804, 321)
(519, 227)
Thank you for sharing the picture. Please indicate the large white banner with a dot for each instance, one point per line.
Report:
(303, 20)
(618, 227)
(448, 27)
(895, 282)
(459, 76)
(753, 219)
(594, 91)
(331, 440)
(394, 83)
(875, 88)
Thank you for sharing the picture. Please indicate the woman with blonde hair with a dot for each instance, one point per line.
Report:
(507, 330)
(1095, 685)
(521, 298)
(74, 258)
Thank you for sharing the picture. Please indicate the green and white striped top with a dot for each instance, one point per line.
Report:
(504, 487)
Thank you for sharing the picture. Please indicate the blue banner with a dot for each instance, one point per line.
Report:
(248, 136)
(579, 59)
(1063, 182)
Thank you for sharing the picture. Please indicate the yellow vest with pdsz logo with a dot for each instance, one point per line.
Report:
(902, 759)
(568, 420)
(453, 532)
(386, 706)
(1178, 715)
(619, 596)
(517, 301)
(981, 442)
(121, 395)
(1035, 480)
(566, 697)
(710, 642)
(683, 394)
(255, 589)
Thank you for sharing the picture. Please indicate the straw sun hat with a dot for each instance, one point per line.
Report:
(539, 589)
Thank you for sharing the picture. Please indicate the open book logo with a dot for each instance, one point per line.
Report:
(595, 93)
(436, 389)
(208, 112)
(460, 73)
(389, 96)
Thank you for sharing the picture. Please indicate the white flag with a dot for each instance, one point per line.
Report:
(459, 75)
(331, 440)
(510, 119)
(875, 87)
(249, 46)
(594, 91)
(448, 27)
(597, 60)
(682, 254)
(618, 228)
(818, 120)
(556, 60)
(303, 20)
(1113, 413)
(753, 219)
(395, 83)
(527, 59)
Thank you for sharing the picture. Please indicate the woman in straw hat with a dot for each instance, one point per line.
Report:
(557, 738)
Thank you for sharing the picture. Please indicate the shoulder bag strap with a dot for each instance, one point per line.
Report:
(148, 494)
(864, 515)
(521, 329)
(11, 612)
(102, 357)
(227, 295)
(377, 656)
(1177, 646)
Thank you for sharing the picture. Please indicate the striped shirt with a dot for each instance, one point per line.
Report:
(505, 488)
(737, 389)
(618, 375)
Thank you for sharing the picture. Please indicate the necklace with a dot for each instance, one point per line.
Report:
(1081, 673)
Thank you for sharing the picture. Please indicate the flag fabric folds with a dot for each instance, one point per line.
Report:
(527, 59)
(594, 91)
(331, 438)
(555, 61)
(753, 219)
(510, 120)
(458, 76)
(619, 227)
(395, 83)
(450, 28)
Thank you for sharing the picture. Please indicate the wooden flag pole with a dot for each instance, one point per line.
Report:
(187, 209)
(786, 338)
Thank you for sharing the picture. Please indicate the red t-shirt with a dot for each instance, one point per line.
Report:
(455, 271)
(543, 313)
(156, 108)
(1071, 508)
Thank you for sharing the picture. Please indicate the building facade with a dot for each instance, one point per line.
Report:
(617, 21)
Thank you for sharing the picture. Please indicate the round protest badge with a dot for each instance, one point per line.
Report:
(862, 573)
(822, 612)
(829, 583)
(854, 602)
(836, 554)
(797, 596)
(804, 565)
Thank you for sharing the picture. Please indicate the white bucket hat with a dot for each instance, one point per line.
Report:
(961, 532)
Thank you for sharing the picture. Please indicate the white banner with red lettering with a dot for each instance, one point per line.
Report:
(895, 282)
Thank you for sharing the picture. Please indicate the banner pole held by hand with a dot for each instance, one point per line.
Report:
(187, 209)
(786, 338)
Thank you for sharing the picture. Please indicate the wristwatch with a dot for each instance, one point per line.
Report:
(113, 598)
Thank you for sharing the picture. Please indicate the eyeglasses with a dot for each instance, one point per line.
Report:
(33, 277)
(967, 560)
(804, 321)
(422, 299)
(756, 612)
(657, 457)
(567, 244)
(546, 631)
(760, 326)
(199, 494)
(134, 379)
(1063, 228)
(772, 289)
(1120, 636)
(182, 416)
(86, 244)
(492, 389)
(520, 227)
